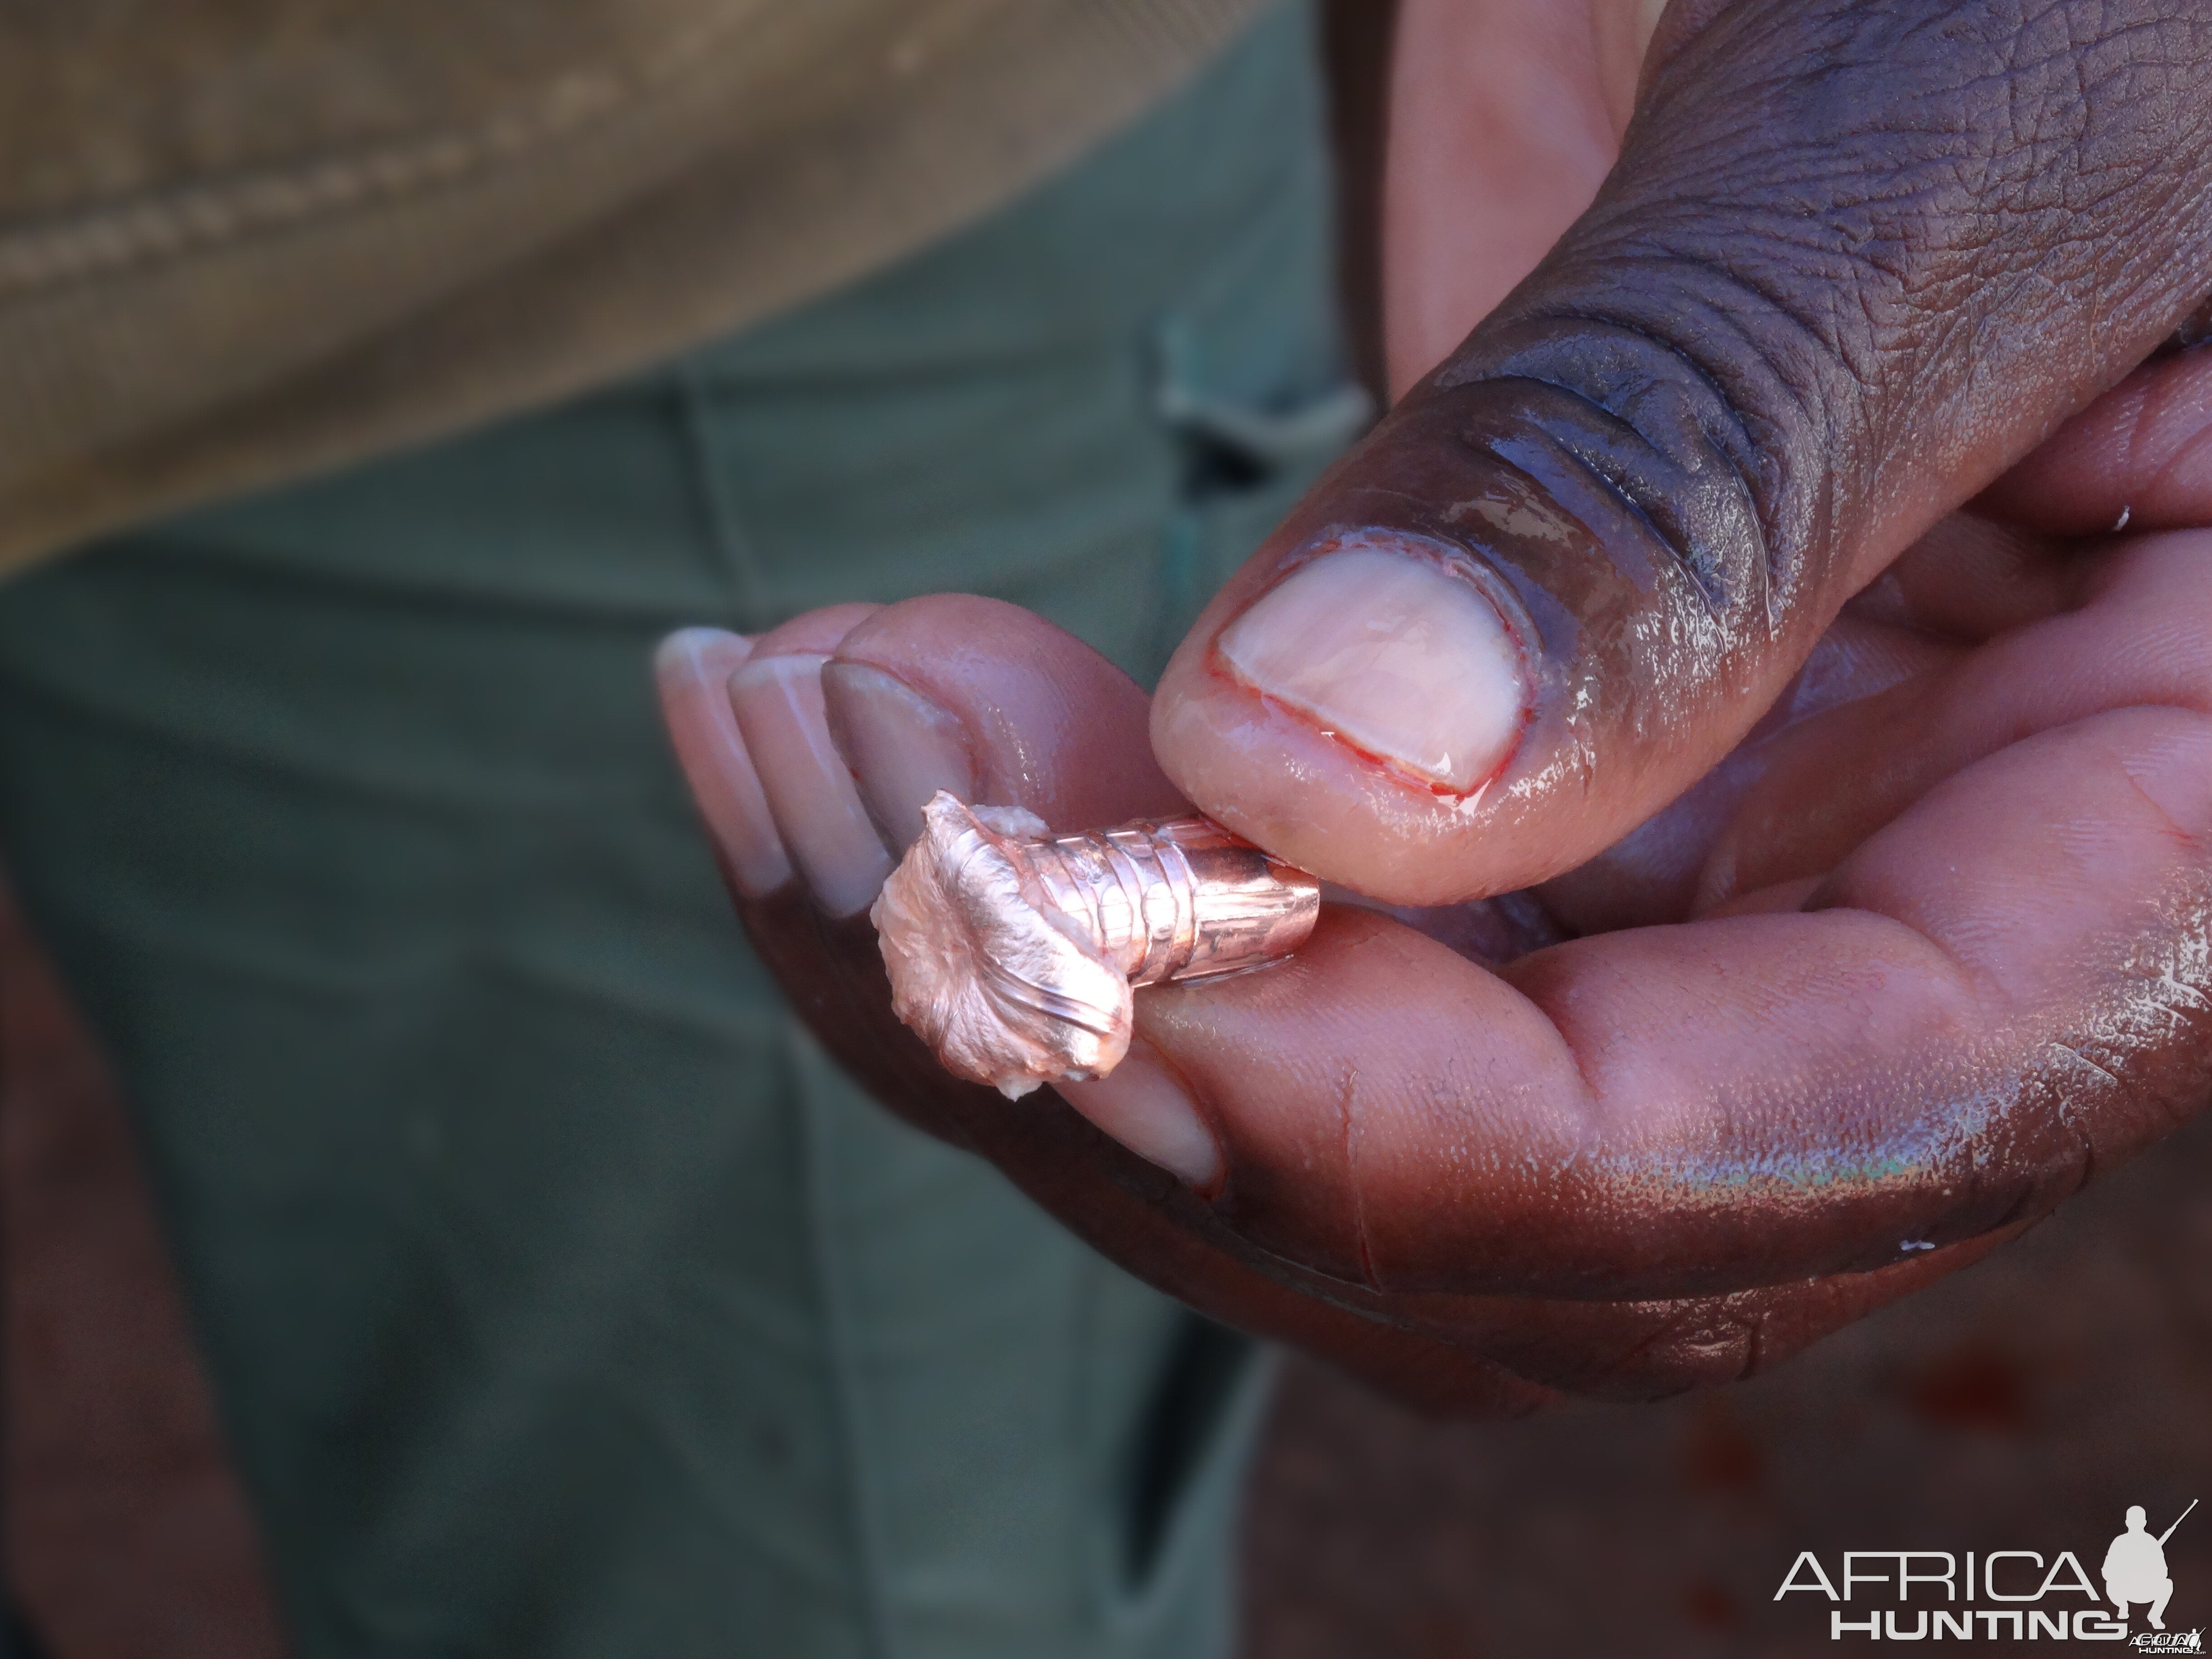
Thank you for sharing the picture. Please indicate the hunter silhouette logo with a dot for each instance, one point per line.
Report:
(2135, 1566)
(2016, 1595)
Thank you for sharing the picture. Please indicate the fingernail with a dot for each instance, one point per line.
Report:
(900, 747)
(1393, 654)
(817, 809)
(692, 670)
(1142, 1104)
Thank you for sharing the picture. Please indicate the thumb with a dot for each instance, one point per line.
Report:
(1856, 256)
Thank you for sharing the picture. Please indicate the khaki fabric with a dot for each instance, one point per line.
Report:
(242, 240)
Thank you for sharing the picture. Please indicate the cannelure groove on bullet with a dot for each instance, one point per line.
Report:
(1013, 952)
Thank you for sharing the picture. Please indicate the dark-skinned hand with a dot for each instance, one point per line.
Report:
(1768, 665)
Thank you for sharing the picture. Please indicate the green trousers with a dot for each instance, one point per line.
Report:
(561, 1299)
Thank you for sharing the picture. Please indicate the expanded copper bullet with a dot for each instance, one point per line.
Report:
(1013, 952)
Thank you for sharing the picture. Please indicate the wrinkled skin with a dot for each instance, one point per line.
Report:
(1866, 802)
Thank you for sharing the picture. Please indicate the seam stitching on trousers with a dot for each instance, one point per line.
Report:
(735, 560)
(868, 1545)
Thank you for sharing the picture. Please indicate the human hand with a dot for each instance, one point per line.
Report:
(1925, 946)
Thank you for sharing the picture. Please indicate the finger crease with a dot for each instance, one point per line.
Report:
(1347, 1117)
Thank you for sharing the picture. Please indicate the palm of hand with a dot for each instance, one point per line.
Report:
(1917, 957)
